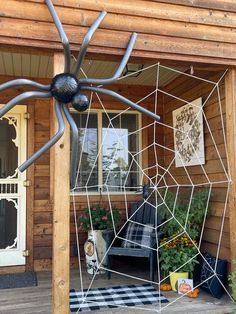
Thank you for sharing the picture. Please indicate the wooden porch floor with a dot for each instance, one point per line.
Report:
(38, 299)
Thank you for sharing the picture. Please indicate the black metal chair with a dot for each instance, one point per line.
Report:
(141, 213)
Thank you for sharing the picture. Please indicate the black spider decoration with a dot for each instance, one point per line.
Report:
(66, 89)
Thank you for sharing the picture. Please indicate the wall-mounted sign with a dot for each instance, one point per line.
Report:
(188, 134)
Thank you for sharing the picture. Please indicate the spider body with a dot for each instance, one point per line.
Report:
(80, 102)
(65, 88)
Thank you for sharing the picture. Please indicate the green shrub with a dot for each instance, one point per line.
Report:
(232, 281)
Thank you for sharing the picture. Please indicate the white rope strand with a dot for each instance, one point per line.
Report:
(161, 179)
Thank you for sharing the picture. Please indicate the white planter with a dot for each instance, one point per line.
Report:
(95, 249)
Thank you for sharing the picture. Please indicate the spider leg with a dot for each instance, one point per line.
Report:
(50, 143)
(119, 70)
(19, 82)
(21, 98)
(122, 99)
(62, 34)
(87, 39)
(74, 144)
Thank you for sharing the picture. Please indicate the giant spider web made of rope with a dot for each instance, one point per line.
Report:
(162, 180)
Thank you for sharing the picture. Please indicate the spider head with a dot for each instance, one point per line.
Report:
(80, 102)
(64, 87)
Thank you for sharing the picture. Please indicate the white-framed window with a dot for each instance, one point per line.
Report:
(108, 150)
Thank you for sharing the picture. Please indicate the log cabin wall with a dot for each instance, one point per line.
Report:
(42, 238)
(189, 90)
(184, 30)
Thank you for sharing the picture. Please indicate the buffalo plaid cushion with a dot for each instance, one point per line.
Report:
(137, 236)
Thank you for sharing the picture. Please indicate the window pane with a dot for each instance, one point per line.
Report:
(87, 151)
(119, 145)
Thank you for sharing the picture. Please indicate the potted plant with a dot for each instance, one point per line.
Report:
(179, 247)
(178, 256)
(94, 220)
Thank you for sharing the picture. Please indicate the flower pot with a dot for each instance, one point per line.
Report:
(95, 249)
(174, 278)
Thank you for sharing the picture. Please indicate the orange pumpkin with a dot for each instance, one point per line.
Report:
(193, 294)
(184, 287)
(165, 287)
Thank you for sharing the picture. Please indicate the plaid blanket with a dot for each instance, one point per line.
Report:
(137, 235)
(130, 295)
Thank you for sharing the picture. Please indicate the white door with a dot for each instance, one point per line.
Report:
(12, 190)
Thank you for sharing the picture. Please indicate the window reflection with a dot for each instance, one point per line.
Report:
(119, 144)
(119, 147)
(87, 151)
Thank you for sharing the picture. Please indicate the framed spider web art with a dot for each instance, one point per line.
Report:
(189, 134)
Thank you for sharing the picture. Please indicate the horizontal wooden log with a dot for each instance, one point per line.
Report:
(213, 248)
(190, 22)
(46, 252)
(43, 217)
(117, 21)
(46, 264)
(45, 240)
(41, 182)
(143, 46)
(199, 178)
(213, 236)
(114, 54)
(217, 209)
(116, 39)
(42, 229)
(223, 5)
(42, 205)
(216, 222)
(42, 171)
(166, 9)
(12, 269)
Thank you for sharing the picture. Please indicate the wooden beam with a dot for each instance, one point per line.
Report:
(166, 31)
(118, 39)
(30, 192)
(230, 97)
(61, 207)
(142, 7)
(160, 25)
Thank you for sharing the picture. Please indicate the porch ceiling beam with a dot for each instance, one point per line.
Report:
(230, 98)
(46, 35)
(166, 31)
(103, 53)
(60, 197)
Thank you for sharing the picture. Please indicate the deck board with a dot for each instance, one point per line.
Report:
(38, 299)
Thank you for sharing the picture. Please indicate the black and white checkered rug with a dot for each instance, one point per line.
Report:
(101, 298)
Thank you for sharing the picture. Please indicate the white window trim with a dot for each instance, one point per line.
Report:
(99, 113)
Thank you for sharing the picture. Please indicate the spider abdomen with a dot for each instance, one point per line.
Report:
(64, 86)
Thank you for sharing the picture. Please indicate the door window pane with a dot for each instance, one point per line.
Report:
(8, 224)
(8, 148)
